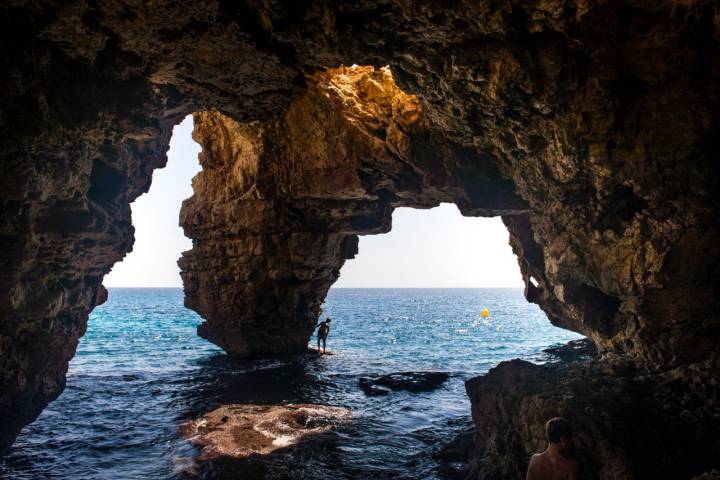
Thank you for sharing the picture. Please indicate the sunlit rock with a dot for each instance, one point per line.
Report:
(241, 431)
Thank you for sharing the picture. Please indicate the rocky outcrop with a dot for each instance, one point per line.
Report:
(591, 127)
(245, 440)
(629, 424)
(582, 349)
(245, 430)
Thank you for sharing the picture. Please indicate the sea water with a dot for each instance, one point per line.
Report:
(141, 370)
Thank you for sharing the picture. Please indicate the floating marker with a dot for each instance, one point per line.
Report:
(485, 313)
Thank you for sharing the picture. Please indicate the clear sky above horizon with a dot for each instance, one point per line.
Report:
(426, 248)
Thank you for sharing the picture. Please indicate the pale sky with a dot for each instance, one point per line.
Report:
(426, 248)
(158, 238)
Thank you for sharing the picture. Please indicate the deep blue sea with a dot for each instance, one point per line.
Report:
(141, 369)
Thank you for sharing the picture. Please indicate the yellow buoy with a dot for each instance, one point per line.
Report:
(485, 313)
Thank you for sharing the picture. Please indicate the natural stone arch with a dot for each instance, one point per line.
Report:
(603, 116)
(278, 205)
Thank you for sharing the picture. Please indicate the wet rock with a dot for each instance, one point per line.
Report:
(314, 351)
(410, 381)
(240, 431)
(370, 389)
(582, 349)
(455, 456)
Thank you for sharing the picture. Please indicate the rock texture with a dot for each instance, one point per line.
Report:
(240, 431)
(629, 424)
(591, 126)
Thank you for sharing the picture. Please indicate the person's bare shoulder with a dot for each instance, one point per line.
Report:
(532, 466)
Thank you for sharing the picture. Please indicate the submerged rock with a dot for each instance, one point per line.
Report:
(245, 430)
(411, 381)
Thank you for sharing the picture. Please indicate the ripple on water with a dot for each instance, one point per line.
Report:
(141, 370)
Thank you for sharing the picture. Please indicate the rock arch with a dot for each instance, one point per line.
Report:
(278, 205)
(599, 121)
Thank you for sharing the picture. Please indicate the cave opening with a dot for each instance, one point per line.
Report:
(159, 240)
(589, 127)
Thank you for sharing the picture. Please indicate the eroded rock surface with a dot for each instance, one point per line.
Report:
(591, 126)
(241, 431)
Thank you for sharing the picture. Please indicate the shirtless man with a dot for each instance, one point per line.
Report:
(555, 462)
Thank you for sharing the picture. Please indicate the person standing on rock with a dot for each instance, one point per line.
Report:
(322, 334)
(555, 463)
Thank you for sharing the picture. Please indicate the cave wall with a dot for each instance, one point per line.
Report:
(601, 117)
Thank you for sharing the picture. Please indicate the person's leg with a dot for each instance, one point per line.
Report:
(319, 344)
(324, 344)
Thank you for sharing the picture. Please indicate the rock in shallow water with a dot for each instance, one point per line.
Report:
(244, 430)
(411, 381)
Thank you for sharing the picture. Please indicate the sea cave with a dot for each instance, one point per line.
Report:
(587, 126)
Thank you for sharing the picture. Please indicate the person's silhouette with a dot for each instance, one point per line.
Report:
(322, 334)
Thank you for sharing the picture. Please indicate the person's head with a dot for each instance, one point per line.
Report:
(560, 432)
(328, 319)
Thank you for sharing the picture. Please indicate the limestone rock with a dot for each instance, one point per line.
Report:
(241, 431)
(582, 349)
(592, 127)
(278, 206)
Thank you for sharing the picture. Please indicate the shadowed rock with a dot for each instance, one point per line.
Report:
(606, 402)
(410, 381)
(582, 349)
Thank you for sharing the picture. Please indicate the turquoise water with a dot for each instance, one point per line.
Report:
(141, 369)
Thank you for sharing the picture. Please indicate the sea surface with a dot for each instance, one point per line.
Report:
(141, 370)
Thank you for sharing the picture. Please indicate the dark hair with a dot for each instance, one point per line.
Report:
(557, 428)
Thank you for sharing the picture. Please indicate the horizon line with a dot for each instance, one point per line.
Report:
(335, 288)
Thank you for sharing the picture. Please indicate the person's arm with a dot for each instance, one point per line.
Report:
(531, 469)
